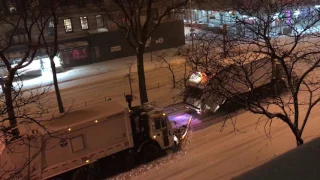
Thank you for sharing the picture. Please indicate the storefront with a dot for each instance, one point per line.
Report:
(74, 53)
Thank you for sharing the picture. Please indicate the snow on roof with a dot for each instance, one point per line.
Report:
(299, 163)
(75, 116)
(84, 114)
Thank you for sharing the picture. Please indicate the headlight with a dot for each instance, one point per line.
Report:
(175, 139)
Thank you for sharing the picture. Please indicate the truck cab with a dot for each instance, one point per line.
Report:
(196, 97)
(150, 125)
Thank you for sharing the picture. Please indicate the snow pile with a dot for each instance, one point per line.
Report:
(158, 164)
(154, 165)
(299, 163)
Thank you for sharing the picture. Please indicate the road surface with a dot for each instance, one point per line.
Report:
(214, 150)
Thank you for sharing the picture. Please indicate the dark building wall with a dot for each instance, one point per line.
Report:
(113, 45)
(168, 35)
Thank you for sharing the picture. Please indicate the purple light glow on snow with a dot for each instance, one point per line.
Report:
(182, 119)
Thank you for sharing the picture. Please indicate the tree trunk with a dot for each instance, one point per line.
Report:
(173, 77)
(56, 85)
(141, 76)
(174, 80)
(299, 140)
(6, 87)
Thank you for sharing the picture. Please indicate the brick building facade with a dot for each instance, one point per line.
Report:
(86, 35)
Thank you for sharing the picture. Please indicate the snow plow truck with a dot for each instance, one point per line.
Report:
(201, 96)
(91, 139)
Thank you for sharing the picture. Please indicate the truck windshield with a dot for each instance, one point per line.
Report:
(157, 123)
(163, 122)
(160, 122)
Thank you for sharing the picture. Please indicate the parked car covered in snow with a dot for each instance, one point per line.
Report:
(31, 70)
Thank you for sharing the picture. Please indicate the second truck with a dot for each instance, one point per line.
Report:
(235, 76)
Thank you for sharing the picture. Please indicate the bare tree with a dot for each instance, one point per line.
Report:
(164, 60)
(20, 108)
(261, 64)
(23, 23)
(52, 17)
(140, 20)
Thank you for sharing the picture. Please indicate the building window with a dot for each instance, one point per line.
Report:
(81, 3)
(97, 2)
(65, 3)
(51, 28)
(84, 23)
(68, 25)
(11, 7)
(100, 22)
(96, 51)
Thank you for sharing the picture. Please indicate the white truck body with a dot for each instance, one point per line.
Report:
(82, 136)
(233, 79)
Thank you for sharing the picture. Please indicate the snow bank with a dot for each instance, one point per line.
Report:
(299, 163)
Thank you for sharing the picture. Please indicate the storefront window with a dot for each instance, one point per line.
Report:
(97, 51)
(80, 53)
(75, 54)
(84, 23)
(68, 25)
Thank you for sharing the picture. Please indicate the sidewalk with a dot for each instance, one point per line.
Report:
(111, 69)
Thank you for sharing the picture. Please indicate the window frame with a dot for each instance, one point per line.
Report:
(86, 17)
(65, 29)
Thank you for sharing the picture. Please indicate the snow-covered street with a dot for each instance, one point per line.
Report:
(214, 149)
(215, 154)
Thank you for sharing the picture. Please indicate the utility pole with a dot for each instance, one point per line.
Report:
(191, 30)
(129, 77)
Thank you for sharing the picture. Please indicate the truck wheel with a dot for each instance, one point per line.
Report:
(81, 174)
(149, 153)
(130, 161)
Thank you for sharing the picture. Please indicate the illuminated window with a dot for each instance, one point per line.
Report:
(68, 25)
(12, 9)
(99, 19)
(51, 28)
(84, 23)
